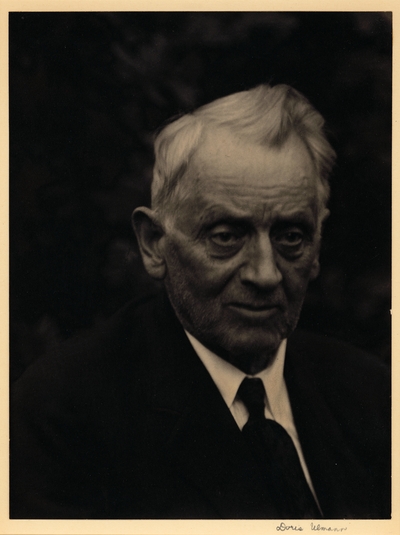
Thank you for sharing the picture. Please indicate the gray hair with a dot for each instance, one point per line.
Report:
(265, 115)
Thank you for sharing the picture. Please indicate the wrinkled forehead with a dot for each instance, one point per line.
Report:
(221, 154)
(222, 159)
(247, 175)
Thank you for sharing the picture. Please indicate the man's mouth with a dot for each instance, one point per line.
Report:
(256, 311)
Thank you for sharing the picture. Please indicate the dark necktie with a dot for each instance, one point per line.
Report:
(276, 454)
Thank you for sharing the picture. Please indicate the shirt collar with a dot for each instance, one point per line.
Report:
(228, 378)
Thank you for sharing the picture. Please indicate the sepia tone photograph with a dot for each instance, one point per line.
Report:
(200, 265)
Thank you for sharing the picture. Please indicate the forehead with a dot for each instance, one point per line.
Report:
(223, 156)
(231, 175)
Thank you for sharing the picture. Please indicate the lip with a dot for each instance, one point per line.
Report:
(254, 311)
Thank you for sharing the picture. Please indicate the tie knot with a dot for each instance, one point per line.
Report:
(252, 393)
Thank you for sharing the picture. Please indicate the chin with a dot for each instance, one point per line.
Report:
(257, 349)
(252, 363)
(251, 352)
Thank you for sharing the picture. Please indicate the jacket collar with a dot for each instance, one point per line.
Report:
(199, 434)
(329, 456)
(204, 444)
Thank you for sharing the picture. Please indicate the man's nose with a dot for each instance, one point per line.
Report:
(259, 267)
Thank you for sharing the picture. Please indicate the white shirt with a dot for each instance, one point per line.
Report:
(277, 405)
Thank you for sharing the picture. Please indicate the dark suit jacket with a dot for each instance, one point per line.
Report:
(127, 423)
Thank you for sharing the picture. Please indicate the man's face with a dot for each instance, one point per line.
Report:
(240, 245)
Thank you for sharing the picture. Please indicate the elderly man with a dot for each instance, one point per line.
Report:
(201, 402)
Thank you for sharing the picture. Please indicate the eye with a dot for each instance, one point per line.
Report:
(292, 238)
(290, 242)
(225, 240)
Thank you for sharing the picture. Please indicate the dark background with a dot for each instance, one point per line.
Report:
(87, 91)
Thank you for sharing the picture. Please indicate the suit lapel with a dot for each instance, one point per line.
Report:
(207, 447)
(197, 432)
(200, 436)
(338, 477)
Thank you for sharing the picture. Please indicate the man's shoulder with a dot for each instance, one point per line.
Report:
(98, 356)
(331, 355)
(113, 332)
(347, 378)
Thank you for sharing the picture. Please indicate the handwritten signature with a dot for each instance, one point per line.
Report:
(318, 527)
(285, 527)
(314, 527)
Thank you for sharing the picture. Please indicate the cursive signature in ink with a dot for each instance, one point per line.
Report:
(286, 527)
(318, 527)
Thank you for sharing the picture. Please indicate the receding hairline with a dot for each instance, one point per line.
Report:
(264, 116)
(192, 173)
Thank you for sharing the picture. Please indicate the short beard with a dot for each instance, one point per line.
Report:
(252, 358)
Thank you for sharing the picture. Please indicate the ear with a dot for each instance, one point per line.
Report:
(150, 233)
(324, 216)
(315, 267)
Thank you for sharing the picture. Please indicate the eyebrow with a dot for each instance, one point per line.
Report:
(220, 213)
(223, 211)
(298, 217)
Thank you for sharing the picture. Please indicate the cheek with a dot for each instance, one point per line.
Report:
(194, 264)
(297, 274)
